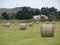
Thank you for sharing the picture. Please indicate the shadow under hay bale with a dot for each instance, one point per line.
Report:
(23, 26)
(47, 30)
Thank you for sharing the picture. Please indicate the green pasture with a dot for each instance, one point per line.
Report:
(31, 36)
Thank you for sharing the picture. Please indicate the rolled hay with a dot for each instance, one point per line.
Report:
(31, 23)
(47, 22)
(47, 30)
(53, 22)
(23, 26)
(8, 24)
(36, 18)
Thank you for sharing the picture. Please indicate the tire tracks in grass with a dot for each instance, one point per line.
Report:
(23, 41)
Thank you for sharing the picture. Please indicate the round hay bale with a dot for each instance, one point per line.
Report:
(35, 18)
(7, 24)
(23, 26)
(47, 30)
(53, 22)
(47, 22)
(31, 23)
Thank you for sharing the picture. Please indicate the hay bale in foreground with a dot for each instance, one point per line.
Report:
(23, 26)
(47, 30)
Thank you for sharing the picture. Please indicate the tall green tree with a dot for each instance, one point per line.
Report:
(58, 15)
(32, 12)
(11, 15)
(52, 12)
(45, 11)
(4, 15)
(25, 13)
(18, 15)
(52, 9)
(37, 12)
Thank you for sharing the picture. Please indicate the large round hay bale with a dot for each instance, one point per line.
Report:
(23, 26)
(47, 30)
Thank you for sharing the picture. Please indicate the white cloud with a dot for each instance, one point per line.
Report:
(30, 3)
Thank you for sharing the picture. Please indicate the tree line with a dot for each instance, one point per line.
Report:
(26, 13)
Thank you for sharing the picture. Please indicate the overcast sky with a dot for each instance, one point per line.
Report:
(30, 3)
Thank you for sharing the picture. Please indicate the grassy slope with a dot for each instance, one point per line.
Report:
(13, 36)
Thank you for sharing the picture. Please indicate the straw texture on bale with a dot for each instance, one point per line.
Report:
(47, 30)
(23, 26)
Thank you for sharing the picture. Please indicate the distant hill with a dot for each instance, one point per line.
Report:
(13, 10)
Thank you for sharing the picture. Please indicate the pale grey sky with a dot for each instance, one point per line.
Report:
(30, 3)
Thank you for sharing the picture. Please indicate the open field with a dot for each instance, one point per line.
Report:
(14, 36)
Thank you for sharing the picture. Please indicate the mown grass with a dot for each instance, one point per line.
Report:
(31, 36)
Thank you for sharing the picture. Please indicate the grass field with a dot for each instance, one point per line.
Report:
(31, 36)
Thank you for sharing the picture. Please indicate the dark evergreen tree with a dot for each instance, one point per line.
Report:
(4, 15)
